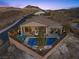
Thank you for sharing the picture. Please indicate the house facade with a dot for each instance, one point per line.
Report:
(37, 24)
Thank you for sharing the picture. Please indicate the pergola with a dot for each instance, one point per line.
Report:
(32, 25)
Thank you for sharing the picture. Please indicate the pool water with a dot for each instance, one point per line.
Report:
(32, 42)
(47, 41)
(21, 37)
(50, 41)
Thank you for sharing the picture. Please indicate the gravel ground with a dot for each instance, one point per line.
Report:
(69, 50)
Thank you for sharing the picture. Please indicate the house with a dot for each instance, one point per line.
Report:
(40, 23)
(40, 13)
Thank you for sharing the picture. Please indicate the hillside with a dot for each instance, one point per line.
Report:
(65, 15)
(9, 15)
(3, 9)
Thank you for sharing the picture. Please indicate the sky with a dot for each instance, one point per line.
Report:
(44, 4)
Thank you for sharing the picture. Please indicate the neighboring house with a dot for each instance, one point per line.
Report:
(40, 13)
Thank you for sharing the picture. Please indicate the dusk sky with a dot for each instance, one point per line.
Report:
(44, 4)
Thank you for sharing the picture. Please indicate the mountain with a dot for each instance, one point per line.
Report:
(65, 15)
(29, 6)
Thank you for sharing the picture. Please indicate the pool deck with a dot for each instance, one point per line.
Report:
(33, 53)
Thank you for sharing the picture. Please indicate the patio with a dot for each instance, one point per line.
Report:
(40, 42)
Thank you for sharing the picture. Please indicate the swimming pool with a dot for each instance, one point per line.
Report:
(47, 41)
(50, 41)
(21, 37)
(32, 41)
